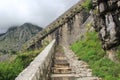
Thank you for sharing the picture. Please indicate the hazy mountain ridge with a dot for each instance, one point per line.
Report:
(16, 36)
(2, 34)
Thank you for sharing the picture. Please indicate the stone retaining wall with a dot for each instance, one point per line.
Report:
(39, 68)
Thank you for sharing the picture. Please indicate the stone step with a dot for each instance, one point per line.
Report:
(60, 58)
(59, 55)
(64, 70)
(59, 65)
(62, 77)
(57, 61)
(88, 78)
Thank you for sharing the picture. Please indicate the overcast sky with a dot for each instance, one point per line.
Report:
(39, 12)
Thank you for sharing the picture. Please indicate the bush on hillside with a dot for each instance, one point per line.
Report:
(10, 70)
(87, 5)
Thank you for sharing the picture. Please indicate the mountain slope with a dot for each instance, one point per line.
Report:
(16, 36)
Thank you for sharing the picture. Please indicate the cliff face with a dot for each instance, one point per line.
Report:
(107, 24)
(16, 36)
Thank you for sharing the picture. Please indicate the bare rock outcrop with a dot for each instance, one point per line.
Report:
(107, 23)
(16, 36)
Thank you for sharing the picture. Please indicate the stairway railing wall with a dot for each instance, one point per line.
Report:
(39, 68)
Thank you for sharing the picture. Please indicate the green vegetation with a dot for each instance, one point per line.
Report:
(87, 5)
(28, 56)
(90, 51)
(10, 69)
(45, 42)
(95, 11)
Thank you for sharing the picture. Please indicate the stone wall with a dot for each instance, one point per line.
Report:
(72, 19)
(107, 24)
(65, 34)
(39, 68)
(71, 31)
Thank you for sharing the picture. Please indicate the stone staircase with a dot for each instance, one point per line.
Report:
(61, 68)
(67, 67)
(80, 68)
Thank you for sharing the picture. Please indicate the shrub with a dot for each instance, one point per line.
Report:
(87, 5)
(28, 56)
(10, 70)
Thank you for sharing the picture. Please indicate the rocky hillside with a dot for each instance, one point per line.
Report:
(107, 24)
(16, 36)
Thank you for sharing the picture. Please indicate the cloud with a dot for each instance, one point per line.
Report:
(40, 12)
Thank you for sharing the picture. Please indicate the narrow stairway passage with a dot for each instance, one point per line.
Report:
(66, 66)
(61, 68)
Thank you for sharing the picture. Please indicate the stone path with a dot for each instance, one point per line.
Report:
(61, 68)
(79, 68)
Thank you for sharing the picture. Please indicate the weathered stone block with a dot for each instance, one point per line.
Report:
(107, 23)
(102, 7)
(118, 3)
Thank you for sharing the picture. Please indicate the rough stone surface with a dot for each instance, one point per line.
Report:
(107, 23)
(79, 68)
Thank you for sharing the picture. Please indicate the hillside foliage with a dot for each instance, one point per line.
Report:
(90, 51)
(10, 69)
